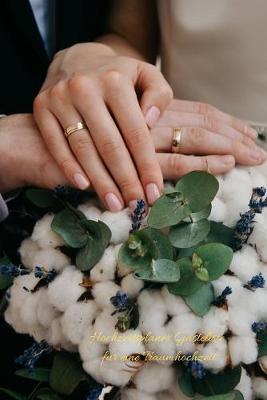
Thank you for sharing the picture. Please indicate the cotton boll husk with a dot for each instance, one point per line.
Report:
(131, 286)
(27, 250)
(133, 394)
(218, 210)
(91, 212)
(46, 313)
(103, 291)
(184, 327)
(105, 323)
(90, 348)
(174, 305)
(245, 263)
(215, 322)
(76, 319)
(119, 223)
(260, 388)
(218, 349)
(104, 270)
(240, 321)
(153, 378)
(243, 349)
(50, 258)
(124, 346)
(43, 234)
(245, 385)
(65, 289)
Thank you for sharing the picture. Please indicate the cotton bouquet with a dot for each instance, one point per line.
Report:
(169, 304)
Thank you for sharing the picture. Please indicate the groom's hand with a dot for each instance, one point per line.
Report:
(117, 98)
(24, 158)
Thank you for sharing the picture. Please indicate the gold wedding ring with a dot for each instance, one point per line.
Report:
(74, 128)
(176, 139)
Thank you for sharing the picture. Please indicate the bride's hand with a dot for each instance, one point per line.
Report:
(210, 139)
(115, 153)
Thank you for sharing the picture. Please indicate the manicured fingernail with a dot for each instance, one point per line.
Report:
(81, 181)
(257, 155)
(152, 193)
(152, 116)
(113, 202)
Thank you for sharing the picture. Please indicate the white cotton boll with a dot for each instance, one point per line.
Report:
(258, 239)
(119, 223)
(127, 344)
(12, 317)
(153, 378)
(91, 212)
(257, 178)
(147, 301)
(55, 334)
(151, 298)
(103, 291)
(245, 263)
(93, 368)
(165, 347)
(258, 303)
(260, 388)
(65, 289)
(237, 187)
(27, 250)
(28, 312)
(262, 169)
(46, 313)
(263, 363)
(217, 350)
(240, 321)
(104, 270)
(243, 349)
(184, 327)
(131, 286)
(105, 323)
(175, 391)
(215, 322)
(21, 289)
(90, 347)
(38, 332)
(133, 394)
(238, 292)
(50, 258)
(43, 234)
(175, 305)
(218, 210)
(76, 319)
(245, 385)
(116, 372)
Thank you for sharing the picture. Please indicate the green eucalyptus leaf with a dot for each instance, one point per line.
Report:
(186, 235)
(162, 243)
(38, 374)
(216, 258)
(66, 374)
(202, 273)
(201, 301)
(126, 259)
(160, 270)
(198, 216)
(198, 188)
(41, 198)
(105, 234)
(88, 256)
(68, 225)
(168, 211)
(13, 395)
(185, 384)
(235, 395)
(47, 394)
(220, 383)
(188, 283)
(220, 233)
(262, 343)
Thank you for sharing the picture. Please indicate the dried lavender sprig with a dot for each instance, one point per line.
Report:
(33, 354)
(13, 270)
(257, 281)
(221, 299)
(196, 369)
(138, 215)
(95, 393)
(259, 326)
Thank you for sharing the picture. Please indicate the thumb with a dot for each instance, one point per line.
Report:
(155, 91)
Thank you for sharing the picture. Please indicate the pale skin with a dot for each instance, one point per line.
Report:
(120, 158)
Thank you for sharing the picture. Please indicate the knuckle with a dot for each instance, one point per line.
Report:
(51, 139)
(165, 91)
(110, 147)
(39, 102)
(81, 146)
(67, 166)
(80, 84)
(113, 79)
(205, 108)
(196, 135)
(128, 184)
(174, 162)
(211, 123)
(58, 91)
(136, 137)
